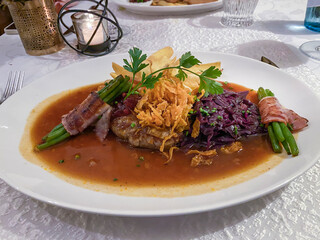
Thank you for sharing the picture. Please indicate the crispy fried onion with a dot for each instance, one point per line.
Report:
(195, 128)
(165, 106)
(202, 157)
(232, 148)
(169, 155)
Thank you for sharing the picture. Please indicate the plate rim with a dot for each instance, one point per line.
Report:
(189, 210)
(147, 9)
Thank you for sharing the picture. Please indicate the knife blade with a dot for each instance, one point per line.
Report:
(268, 61)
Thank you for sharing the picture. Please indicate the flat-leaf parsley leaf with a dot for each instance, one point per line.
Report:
(187, 61)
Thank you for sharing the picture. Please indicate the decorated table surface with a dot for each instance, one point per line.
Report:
(292, 212)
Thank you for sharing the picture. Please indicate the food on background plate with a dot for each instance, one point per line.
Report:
(179, 2)
(138, 1)
(161, 123)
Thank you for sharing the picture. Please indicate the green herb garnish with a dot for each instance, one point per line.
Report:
(61, 161)
(187, 61)
(196, 99)
(204, 112)
(235, 130)
(133, 125)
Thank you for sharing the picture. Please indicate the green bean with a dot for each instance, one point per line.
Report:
(269, 93)
(290, 139)
(53, 130)
(53, 142)
(110, 87)
(280, 132)
(286, 147)
(56, 134)
(123, 87)
(277, 131)
(274, 141)
(108, 93)
(261, 93)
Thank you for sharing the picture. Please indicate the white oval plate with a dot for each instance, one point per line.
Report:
(38, 183)
(146, 8)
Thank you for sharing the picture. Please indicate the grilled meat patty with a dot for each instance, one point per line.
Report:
(129, 129)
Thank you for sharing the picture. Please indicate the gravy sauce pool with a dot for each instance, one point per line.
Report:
(115, 163)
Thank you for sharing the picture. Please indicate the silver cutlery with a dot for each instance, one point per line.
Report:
(14, 83)
(268, 61)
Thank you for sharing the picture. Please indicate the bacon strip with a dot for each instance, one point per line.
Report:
(103, 125)
(84, 114)
(297, 122)
(272, 111)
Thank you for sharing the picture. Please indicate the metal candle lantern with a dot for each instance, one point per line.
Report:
(91, 28)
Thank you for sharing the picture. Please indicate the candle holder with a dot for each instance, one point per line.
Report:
(36, 22)
(91, 28)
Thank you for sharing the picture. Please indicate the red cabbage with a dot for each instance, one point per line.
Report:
(224, 119)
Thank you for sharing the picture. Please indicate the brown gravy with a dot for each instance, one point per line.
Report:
(116, 163)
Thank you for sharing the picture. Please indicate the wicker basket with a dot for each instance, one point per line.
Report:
(36, 22)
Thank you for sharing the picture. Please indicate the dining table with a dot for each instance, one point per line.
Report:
(291, 212)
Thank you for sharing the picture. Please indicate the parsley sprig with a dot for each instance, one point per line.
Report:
(187, 60)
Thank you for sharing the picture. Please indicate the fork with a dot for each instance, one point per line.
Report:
(14, 83)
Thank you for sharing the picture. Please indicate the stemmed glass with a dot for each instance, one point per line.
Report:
(312, 22)
(311, 49)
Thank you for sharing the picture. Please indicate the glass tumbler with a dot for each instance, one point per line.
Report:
(238, 13)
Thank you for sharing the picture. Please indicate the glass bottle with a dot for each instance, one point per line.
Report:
(312, 19)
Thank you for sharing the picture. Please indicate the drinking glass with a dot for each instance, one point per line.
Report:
(238, 13)
(312, 22)
(311, 49)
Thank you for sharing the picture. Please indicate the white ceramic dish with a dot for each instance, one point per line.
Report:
(40, 184)
(147, 9)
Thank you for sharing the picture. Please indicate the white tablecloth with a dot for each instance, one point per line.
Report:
(290, 213)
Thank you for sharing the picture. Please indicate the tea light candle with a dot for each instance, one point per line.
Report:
(88, 29)
(85, 25)
(91, 27)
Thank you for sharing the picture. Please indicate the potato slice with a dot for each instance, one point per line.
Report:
(160, 59)
(119, 70)
(203, 67)
(193, 81)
